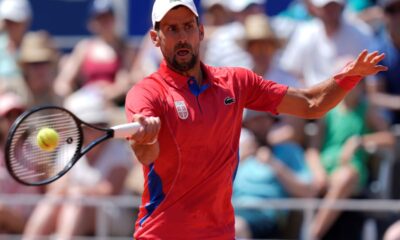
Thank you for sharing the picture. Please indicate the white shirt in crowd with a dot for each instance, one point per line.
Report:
(224, 47)
(313, 56)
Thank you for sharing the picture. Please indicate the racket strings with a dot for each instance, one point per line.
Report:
(32, 164)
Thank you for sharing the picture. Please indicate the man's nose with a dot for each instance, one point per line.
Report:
(182, 36)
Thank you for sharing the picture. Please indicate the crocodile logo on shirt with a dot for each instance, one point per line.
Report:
(182, 110)
(229, 101)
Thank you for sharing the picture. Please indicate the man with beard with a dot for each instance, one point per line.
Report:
(191, 120)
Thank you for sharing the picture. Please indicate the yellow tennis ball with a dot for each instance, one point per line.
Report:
(47, 139)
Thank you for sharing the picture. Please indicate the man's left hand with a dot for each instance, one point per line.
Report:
(365, 64)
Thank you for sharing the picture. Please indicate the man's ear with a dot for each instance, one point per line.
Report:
(155, 38)
(201, 29)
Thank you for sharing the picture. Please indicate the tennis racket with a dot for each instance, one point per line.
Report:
(31, 165)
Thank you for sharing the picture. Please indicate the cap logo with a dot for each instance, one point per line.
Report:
(181, 109)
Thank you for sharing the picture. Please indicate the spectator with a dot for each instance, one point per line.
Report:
(359, 5)
(385, 89)
(147, 60)
(101, 172)
(223, 47)
(15, 16)
(328, 42)
(248, 143)
(364, 12)
(367, 11)
(102, 60)
(264, 47)
(12, 217)
(258, 123)
(215, 13)
(286, 22)
(340, 166)
(261, 42)
(38, 59)
(269, 173)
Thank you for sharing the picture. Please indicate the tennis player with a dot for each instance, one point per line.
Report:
(191, 115)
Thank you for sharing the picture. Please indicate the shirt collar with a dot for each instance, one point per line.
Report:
(179, 81)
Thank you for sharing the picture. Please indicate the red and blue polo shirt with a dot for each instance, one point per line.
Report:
(188, 188)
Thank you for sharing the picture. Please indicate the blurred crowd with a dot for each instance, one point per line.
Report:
(351, 153)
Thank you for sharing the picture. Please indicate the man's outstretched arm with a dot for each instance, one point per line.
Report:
(315, 101)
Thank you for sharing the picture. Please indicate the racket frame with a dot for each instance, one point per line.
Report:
(79, 152)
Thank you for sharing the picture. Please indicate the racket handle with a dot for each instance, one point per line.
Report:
(126, 130)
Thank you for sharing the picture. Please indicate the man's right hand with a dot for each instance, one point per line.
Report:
(144, 142)
(148, 133)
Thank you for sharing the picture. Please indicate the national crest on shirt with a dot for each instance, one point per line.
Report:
(182, 110)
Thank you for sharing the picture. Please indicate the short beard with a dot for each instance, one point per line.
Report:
(185, 66)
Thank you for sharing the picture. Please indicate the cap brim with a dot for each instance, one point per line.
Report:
(17, 19)
(35, 57)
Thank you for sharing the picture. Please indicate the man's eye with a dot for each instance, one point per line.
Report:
(188, 27)
(171, 29)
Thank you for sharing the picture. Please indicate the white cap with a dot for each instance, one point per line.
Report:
(100, 7)
(321, 3)
(15, 10)
(161, 7)
(89, 105)
(240, 5)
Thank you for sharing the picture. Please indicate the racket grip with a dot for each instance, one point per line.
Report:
(126, 130)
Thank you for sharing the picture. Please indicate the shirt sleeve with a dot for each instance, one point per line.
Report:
(142, 98)
(260, 94)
